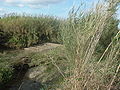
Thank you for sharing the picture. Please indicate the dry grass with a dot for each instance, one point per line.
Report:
(81, 35)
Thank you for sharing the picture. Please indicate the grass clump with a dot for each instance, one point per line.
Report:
(82, 34)
(6, 73)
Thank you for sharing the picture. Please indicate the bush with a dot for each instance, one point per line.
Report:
(24, 31)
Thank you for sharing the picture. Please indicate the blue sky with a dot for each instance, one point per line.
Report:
(58, 8)
(49, 7)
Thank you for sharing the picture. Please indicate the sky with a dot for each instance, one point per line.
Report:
(58, 8)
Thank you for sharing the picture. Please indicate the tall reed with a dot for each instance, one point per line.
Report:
(81, 35)
(24, 31)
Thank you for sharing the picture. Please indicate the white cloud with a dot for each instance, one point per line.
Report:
(42, 1)
(32, 3)
(20, 5)
(11, 1)
(35, 6)
(2, 10)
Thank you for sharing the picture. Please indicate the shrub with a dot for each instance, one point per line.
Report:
(24, 31)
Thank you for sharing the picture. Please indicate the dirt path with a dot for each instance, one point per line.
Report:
(40, 48)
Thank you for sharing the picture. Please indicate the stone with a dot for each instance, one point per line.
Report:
(31, 85)
(33, 73)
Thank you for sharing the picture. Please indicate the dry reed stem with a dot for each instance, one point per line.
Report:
(117, 70)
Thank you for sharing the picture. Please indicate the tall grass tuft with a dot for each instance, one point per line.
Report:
(81, 35)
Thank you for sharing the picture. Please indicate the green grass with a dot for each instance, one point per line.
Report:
(50, 59)
(38, 59)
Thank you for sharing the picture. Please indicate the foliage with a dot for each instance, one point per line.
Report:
(23, 31)
(91, 41)
(5, 73)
